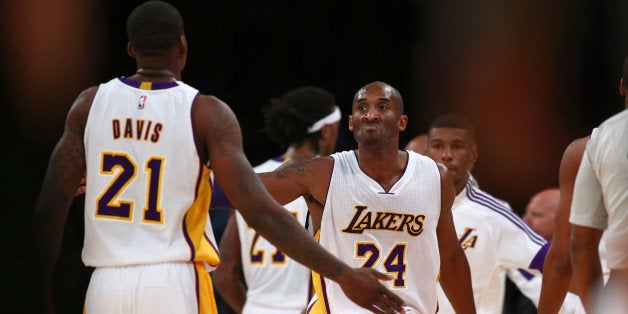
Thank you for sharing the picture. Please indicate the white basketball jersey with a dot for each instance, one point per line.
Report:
(600, 198)
(494, 239)
(392, 231)
(147, 190)
(275, 282)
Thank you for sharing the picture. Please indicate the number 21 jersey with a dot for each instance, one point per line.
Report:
(147, 190)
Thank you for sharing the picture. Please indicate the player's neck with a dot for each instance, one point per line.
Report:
(382, 165)
(154, 75)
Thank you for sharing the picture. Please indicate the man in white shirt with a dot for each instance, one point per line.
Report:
(493, 237)
(600, 205)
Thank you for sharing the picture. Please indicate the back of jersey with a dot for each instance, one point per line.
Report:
(275, 282)
(391, 231)
(147, 191)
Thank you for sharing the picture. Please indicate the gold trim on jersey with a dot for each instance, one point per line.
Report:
(206, 300)
(195, 220)
(319, 306)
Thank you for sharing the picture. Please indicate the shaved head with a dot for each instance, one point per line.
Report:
(418, 144)
(387, 91)
(541, 210)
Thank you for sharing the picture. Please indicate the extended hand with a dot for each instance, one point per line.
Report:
(362, 286)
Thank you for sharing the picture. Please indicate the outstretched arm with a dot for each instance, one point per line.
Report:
(557, 267)
(63, 177)
(220, 139)
(455, 276)
(228, 276)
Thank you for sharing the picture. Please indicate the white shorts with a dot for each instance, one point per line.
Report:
(155, 288)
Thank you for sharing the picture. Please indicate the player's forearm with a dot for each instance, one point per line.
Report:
(282, 230)
(232, 291)
(587, 274)
(556, 280)
(455, 280)
(51, 211)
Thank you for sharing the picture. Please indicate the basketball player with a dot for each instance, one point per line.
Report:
(380, 207)
(600, 200)
(147, 143)
(255, 277)
(487, 228)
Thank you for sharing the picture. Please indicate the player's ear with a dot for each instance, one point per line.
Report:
(183, 45)
(350, 123)
(130, 50)
(474, 153)
(622, 88)
(403, 122)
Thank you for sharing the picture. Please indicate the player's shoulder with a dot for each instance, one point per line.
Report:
(313, 163)
(211, 112)
(576, 148)
(80, 108)
(211, 102)
(616, 121)
(487, 205)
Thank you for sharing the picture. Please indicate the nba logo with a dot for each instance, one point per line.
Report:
(142, 102)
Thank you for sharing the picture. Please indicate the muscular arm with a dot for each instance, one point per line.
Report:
(586, 260)
(455, 276)
(557, 267)
(228, 277)
(219, 138)
(588, 218)
(63, 177)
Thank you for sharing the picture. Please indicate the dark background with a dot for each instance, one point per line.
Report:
(531, 75)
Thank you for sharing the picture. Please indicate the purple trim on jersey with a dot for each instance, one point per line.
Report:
(210, 243)
(325, 294)
(196, 288)
(279, 159)
(198, 180)
(187, 239)
(525, 274)
(537, 261)
(489, 201)
(307, 219)
(219, 199)
(154, 85)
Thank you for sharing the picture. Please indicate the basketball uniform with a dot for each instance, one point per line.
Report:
(391, 231)
(600, 200)
(275, 282)
(494, 239)
(600, 195)
(146, 202)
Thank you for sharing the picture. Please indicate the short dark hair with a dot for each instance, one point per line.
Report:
(454, 121)
(287, 119)
(154, 27)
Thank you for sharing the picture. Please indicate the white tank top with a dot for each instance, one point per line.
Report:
(393, 232)
(147, 191)
(276, 284)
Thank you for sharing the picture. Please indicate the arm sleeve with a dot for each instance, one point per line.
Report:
(519, 246)
(587, 206)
